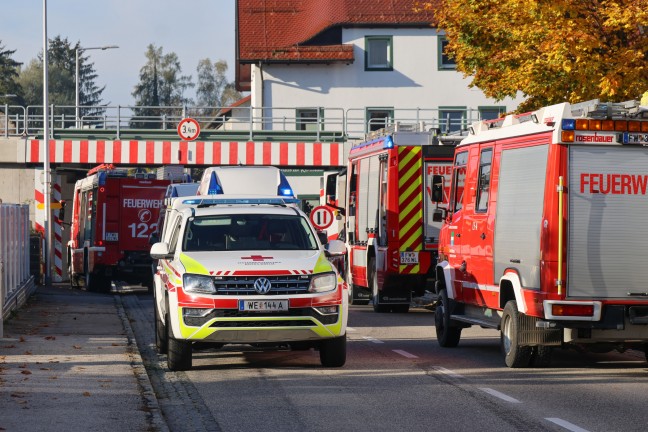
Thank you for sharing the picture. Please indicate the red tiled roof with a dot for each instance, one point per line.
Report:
(275, 30)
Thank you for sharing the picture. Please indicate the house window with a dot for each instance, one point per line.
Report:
(307, 119)
(452, 119)
(491, 113)
(483, 183)
(445, 61)
(378, 53)
(378, 118)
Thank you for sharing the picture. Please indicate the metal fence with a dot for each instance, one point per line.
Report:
(250, 122)
(16, 282)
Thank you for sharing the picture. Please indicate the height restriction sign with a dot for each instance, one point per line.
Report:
(321, 217)
(188, 129)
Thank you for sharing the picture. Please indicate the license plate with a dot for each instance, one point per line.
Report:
(112, 236)
(409, 258)
(263, 305)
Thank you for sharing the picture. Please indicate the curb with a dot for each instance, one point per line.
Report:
(154, 413)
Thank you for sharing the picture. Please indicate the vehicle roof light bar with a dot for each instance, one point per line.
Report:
(240, 201)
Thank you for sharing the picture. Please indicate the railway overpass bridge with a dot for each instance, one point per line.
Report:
(303, 146)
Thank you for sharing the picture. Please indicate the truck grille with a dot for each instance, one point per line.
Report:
(244, 285)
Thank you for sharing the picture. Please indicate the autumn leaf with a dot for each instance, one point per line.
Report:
(76, 347)
(22, 339)
(25, 372)
(50, 337)
(28, 353)
(86, 394)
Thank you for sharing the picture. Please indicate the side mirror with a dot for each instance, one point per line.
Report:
(438, 215)
(160, 251)
(335, 248)
(154, 238)
(323, 237)
(437, 188)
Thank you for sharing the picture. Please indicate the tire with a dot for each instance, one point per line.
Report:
(515, 356)
(373, 283)
(541, 356)
(448, 334)
(178, 351)
(74, 278)
(333, 352)
(352, 289)
(161, 341)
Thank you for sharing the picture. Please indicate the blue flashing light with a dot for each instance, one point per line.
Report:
(214, 186)
(284, 188)
(101, 178)
(388, 143)
(569, 124)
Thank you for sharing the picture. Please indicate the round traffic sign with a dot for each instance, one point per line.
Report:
(321, 217)
(188, 129)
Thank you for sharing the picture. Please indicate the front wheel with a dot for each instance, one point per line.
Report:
(448, 335)
(161, 341)
(333, 352)
(178, 351)
(373, 283)
(515, 356)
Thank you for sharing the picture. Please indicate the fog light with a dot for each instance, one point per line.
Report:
(195, 313)
(327, 310)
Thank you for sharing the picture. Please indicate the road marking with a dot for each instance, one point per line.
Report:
(405, 354)
(351, 329)
(448, 372)
(370, 339)
(497, 394)
(569, 426)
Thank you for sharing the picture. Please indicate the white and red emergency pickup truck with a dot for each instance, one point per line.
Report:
(545, 235)
(250, 271)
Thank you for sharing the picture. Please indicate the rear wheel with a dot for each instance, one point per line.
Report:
(178, 351)
(373, 283)
(515, 356)
(333, 352)
(448, 335)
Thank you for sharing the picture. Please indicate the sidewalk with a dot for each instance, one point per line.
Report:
(69, 362)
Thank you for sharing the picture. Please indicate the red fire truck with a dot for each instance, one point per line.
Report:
(114, 213)
(544, 237)
(390, 235)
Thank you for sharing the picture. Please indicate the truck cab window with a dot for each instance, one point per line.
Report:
(483, 185)
(458, 181)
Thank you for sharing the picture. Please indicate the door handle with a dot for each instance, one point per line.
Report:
(483, 236)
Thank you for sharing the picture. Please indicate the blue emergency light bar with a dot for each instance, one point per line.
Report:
(240, 201)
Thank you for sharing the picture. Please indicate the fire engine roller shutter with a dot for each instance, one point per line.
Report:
(608, 232)
(520, 201)
(410, 204)
(367, 196)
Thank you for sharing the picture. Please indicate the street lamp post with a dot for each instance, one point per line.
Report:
(77, 78)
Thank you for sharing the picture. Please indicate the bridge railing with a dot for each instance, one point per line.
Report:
(288, 123)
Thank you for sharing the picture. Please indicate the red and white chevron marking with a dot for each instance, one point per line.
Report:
(39, 216)
(189, 153)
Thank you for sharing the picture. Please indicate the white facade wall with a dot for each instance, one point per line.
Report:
(414, 82)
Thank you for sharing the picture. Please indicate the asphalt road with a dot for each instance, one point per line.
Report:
(396, 378)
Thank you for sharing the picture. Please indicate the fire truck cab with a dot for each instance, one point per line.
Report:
(390, 235)
(114, 212)
(544, 237)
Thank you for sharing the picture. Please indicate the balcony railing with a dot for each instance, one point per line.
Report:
(223, 123)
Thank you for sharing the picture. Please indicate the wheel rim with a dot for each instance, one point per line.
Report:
(506, 334)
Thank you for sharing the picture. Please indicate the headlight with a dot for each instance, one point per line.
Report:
(323, 283)
(198, 284)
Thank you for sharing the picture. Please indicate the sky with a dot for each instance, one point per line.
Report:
(193, 29)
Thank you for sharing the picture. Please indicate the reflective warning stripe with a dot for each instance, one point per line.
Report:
(410, 204)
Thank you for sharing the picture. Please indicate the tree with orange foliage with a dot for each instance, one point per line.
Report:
(550, 50)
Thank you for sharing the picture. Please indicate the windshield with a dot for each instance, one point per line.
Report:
(248, 232)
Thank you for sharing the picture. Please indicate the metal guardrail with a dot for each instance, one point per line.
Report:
(14, 255)
(321, 124)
